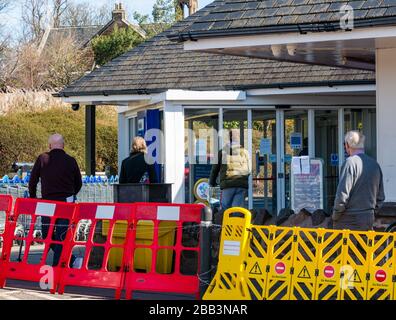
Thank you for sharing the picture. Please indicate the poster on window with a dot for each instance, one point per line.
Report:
(307, 187)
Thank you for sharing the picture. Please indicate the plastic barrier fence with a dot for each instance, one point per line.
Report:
(86, 262)
(28, 266)
(145, 247)
(5, 210)
(273, 263)
(163, 250)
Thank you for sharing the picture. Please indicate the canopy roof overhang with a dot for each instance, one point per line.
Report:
(349, 49)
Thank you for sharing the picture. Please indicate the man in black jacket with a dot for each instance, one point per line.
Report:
(60, 181)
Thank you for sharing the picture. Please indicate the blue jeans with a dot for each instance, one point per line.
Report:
(233, 197)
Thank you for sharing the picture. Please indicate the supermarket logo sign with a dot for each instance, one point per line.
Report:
(201, 146)
(347, 17)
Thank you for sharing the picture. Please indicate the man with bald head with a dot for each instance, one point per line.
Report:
(60, 181)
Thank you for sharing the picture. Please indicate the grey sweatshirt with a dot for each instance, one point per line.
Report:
(360, 191)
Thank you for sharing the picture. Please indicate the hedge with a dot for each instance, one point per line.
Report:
(23, 136)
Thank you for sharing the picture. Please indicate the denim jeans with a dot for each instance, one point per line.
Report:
(233, 197)
(59, 234)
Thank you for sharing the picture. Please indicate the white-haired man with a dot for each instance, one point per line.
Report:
(60, 181)
(360, 191)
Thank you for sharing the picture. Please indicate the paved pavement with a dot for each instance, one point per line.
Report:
(18, 290)
(26, 294)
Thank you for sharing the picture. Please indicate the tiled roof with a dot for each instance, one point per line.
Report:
(82, 35)
(158, 65)
(228, 16)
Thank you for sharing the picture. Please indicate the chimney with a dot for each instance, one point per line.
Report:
(119, 12)
(192, 6)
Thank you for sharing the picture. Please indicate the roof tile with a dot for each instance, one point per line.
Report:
(158, 64)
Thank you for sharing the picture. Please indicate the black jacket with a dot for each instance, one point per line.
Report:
(59, 174)
(134, 167)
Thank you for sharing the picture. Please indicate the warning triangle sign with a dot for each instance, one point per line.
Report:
(355, 277)
(304, 274)
(256, 269)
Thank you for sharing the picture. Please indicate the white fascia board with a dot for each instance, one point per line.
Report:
(187, 95)
(292, 37)
(122, 99)
(308, 90)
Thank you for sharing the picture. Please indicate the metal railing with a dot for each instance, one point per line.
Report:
(94, 189)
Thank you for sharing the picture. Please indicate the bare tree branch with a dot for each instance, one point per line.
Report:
(59, 9)
(34, 14)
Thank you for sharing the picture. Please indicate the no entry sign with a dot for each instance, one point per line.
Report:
(280, 268)
(329, 272)
(380, 276)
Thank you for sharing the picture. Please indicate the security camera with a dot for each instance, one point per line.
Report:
(75, 107)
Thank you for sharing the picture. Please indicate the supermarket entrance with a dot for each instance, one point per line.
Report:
(273, 136)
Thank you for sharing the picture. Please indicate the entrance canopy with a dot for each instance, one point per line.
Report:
(336, 33)
(349, 34)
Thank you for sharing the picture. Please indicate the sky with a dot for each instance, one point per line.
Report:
(12, 17)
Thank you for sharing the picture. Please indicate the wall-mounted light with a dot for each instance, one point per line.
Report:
(276, 50)
(291, 49)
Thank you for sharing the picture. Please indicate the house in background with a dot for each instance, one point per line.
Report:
(192, 90)
(84, 34)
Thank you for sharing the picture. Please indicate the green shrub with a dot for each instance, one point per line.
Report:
(108, 47)
(23, 136)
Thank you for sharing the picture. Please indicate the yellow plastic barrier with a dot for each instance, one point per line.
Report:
(144, 236)
(331, 244)
(280, 264)
(382, 266)
(305, 262)
(355, 266)
(272, 263)
(229, 282)
(257, 261)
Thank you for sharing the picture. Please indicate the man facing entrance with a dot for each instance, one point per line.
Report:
(234, 168)
(360, 191)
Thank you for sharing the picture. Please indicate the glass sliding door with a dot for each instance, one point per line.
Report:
(264, 167)
(363, 120)
(327, 149)
(201, 146)
(295, 144)
(236, 119)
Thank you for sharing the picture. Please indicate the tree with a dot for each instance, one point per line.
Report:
(59, 9)
(108, 47)
(84, 14)
(29, 69)
(34, 14)
(65, 62)
(165, 13)
(3, 38)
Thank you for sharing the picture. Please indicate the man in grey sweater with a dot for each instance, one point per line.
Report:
(360, 191)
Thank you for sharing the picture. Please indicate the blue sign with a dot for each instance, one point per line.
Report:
(265, 146)
(288, 158)
(334, 159)
(272, 158)
(296, 140)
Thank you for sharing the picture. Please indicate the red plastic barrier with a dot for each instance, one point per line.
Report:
(5, 211)
(94, 251)
(27, 266)
(164, 249)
